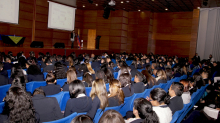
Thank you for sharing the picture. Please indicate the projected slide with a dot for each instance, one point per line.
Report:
(9, 11)
(61, 17)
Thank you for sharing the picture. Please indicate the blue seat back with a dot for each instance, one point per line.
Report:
(169, 84)
(115, 75)
(114, 67)
(132, 79)
(98, 113)
(42, 69)
(147, 92)
(88, 90)
(163, 85)
(177, 114)
(67, 119)
(64, 99)
(114, 61)
(126, 105)
(137, 95)
(128, 62)
(81, 113)
(3, 91)
(194, 71)
(9, 73)
(31, 86)
(58, 96)
(2, 104)
(173, 65)
(107, 87)
(45, 75)
(61, 82)
(80, 78)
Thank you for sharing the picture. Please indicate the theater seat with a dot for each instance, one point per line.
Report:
(64, 99)
(3, 91)
(67, 119)
(31, 86)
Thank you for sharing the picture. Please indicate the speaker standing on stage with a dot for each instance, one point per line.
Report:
(72, 38)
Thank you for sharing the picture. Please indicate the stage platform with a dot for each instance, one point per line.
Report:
(66, 51)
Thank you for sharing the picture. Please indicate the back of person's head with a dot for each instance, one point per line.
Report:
(99, 90)
(59, 71)
(159, 95)
(87, 77)
(83, 68)
(177, 88)
(205, 74)
(149, 77)
(134, 63)
(140, 77)
(19, 106)
(185, 83)
(75, 88)
(33, 70)
(115, 90)
(111, 64)
(100, 74)
(125, 79)
(39, 91)
(169, 73)
(50, 78)
(111, 116)
(149, 69)
(145, 110)
(71, 76)
(32, 54)
(47, 61)
(82, 119)
(161, 74)
(124, 69)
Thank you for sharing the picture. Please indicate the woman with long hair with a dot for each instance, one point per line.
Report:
(116, 96)
(111, 116)
(87, 79)
(159, 99)
(70, 60)
(143, 111)
(161, 77)
(99, 97)
(18, 107)
(78, 101)
(71, 76)
(169, 73)
(150, 80)
(125, 81)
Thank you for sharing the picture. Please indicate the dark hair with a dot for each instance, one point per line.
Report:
(159, 95)
(82, 119)
(169, 74)
(75, 88)
(88, 79)
(50, 78)
(19, 106)
(134, 63)
(108, 75)
(145, 111)
(149, 69)
(100, 74)
(185, 83)
(111, 64)
(22, 62)
(33, 70)
(140, 77)
(16, 71)
(149, 78)
(59, 71)
(125, 79)
(39, 91)
(111, 116)
(32, 54)
(177, 88)
(83, 68)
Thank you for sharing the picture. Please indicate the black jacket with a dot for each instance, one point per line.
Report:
(49, 68)
(95, 106)
(39, 77)
(139, 87)
(51, 89)
(65, 87)
(161, 81)
(3, 80)
(43, 65)
(7, 66)
(133, 72)
(113, 101)
(79, 105)
(47, 107)
(128, 91)
(176, 104)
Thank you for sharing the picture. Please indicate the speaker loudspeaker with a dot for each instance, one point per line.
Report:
(37, 44)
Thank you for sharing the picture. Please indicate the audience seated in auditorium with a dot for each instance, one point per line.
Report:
(51, 88)
(34, 73)
(87, 80)
(99, 97)
(7, 64)
(47, 107)
(125, 81)
(96, 64)
(143, 111)
(161, 77)
(123, 69)
(134, 68)
(111, 116)
(198, 81)
(150, 81)
(139, 80)
(59, 70)
(159, 99)
(90, 70)
(78, 101)
(111, 67)
(49, 66)
(116, 96)
(71, 76)
(18, 107)
(3, 78)
(176, 101)
(186, 94)
(82, 119)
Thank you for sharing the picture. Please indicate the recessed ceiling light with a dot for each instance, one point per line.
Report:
(122, 2)
(166, 9)
(96, 4)
(139, 10)
(198, 7)
(127, 1)
(152, 0)
(84, 6)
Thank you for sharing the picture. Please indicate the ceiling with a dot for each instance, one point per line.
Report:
(143, 5)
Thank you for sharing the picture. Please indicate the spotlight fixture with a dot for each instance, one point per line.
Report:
(139, 10)
(84, 6)
(112, 3)
(152, 0)
(198, 7)
(122, 2)
(127, 1)
(166, 9)
(97, 4)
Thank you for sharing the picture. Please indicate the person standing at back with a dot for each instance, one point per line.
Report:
(72, 38)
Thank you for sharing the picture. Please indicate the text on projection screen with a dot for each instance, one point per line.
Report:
(61, 17)
(9, 11)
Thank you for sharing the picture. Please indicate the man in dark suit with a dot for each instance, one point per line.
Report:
(72, 38)
(196, 58)
(3, 78)
(176, 101)
(7, 64)
(49, 66)
(139, 86)
(47, 107)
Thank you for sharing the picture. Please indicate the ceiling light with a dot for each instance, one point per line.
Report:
(84, 6)
(112, 3)
(139, 10)
(127, 1)
(122, 2)
(166, 9)
(96, 4)
(198, 7)
(152, 0)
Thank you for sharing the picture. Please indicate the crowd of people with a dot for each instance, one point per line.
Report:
(24, 107)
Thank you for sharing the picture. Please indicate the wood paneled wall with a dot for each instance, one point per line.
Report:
(175, 33)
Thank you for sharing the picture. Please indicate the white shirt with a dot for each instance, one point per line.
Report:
(164, 113)
(186, 97)
(130, 120)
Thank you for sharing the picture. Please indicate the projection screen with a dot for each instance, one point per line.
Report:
(9, 11)
(61, 17)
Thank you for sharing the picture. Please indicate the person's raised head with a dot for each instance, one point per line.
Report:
(111, 116)
(158, 97)
(176, 89)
